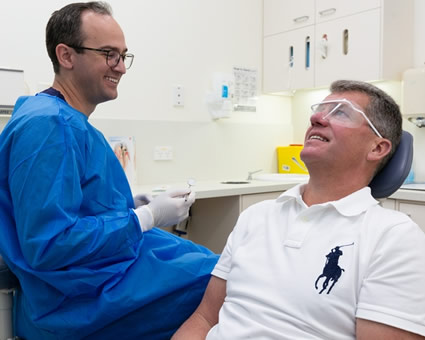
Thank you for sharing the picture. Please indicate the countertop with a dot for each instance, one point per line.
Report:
(210, 189)
(215, 188)
(409, 195)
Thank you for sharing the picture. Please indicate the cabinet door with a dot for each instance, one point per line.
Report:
(288, 60)
(213, 220)
(333, 9)
(248, 200)
(284, 15)
(388, 203)
(348, 48)
(415, 211)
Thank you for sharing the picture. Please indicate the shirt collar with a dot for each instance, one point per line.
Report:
(351, 205)
(53, 92)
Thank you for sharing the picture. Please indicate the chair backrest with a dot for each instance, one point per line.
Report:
(391, 177)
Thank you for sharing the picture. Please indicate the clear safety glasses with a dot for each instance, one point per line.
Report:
(342, 112)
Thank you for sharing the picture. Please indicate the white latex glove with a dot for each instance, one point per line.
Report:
(142, 199)
(168, 208)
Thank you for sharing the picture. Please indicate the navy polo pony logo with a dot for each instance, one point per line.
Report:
(332, 271)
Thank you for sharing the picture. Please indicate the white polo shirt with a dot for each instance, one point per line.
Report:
(277, 252)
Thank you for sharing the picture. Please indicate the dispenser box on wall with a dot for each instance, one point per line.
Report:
(220, 100)
(13, 86)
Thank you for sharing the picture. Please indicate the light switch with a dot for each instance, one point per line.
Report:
(178, 95)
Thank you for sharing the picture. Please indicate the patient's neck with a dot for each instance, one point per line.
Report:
(327, 188)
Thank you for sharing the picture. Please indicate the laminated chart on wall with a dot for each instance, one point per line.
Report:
(246, 88)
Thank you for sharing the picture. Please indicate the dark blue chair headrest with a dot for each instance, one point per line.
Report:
(392, 175)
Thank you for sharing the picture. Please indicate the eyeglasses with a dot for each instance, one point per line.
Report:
(112, 57)
(343, 112)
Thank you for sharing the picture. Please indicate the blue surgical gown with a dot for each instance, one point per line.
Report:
(70, 235)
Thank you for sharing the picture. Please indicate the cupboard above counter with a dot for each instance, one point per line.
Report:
(285, 15)
(336, 39)
(334, 9)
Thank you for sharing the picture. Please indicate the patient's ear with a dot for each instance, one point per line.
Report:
(381, 148)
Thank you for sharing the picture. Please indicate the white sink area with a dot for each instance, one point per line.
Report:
(277, 177)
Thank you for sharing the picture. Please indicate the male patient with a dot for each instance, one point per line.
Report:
(324, 260)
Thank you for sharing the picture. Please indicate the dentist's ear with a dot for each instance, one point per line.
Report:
(380, 149)
(64, 54)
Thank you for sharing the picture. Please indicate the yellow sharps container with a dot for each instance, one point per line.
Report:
(289, 161)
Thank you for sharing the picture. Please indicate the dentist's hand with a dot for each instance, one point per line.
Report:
(166, 209)
(142, 199)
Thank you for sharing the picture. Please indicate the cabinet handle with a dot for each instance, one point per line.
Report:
(307, 53)
(345, 42)
(323, 46)
(301, 19)
(291, 56)
(327, 12)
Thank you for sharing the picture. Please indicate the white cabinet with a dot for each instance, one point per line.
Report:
(288, 53)
(333, 9)
(388, 203)
(248, 200)
(350, 50)
(288, 60)
(363, 40)
(414, 209)
(285, 15)
(213, 219)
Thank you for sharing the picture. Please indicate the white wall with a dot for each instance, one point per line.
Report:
(175, 42)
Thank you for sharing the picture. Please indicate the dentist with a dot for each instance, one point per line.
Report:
(89, 262)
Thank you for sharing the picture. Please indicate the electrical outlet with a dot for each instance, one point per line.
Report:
(163, 153)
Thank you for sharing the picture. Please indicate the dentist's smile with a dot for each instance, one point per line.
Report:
(112, 80)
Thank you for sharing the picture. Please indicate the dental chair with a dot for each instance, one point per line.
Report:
(384, 184)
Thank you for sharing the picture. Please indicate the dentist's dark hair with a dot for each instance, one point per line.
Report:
(382, 110)
(64, 26)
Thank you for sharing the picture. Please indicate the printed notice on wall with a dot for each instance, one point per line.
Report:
(245, 89)
(125, 150)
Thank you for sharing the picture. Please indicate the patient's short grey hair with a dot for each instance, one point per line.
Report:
(382, 110)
